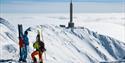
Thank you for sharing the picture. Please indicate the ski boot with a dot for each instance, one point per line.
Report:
(24, 61)
(35, 60)
(20, 60)
(41, 62)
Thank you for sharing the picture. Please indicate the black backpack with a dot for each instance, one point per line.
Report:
(42, 46)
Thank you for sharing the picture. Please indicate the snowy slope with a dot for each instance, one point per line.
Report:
(8, 40)
(79, 45)
(110, 24)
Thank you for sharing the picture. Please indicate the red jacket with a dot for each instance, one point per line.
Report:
(21, 42)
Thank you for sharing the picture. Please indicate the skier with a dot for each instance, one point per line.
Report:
(26, 42)
(40, 48)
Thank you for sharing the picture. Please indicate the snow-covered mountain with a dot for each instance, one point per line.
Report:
(8, 40)
(78, 45)
(110, 24)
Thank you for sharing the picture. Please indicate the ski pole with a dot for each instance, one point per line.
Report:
(45, 55)
(42, 36)
(43, 41)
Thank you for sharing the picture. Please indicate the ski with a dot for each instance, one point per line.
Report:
(20, 30)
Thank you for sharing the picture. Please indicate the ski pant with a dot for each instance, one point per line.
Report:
(21, 53)
(37, 53)
(25, 52)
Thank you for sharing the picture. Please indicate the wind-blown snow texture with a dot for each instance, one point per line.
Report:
(8, 40)
(78, 45)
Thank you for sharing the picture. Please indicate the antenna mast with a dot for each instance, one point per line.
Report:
(71, 24)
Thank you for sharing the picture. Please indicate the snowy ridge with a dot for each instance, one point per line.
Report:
(8, 40)
(78, 45)
(7, 30)
(7, 24)
(110, 24)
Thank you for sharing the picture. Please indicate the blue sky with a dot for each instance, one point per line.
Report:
(9, 1)
(61, 6)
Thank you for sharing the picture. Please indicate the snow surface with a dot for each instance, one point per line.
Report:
(110, 24)
(8, 40)
(78, 45)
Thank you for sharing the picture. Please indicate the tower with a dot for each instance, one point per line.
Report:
(71, 24)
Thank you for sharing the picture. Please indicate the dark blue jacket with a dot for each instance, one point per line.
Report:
(26, 39)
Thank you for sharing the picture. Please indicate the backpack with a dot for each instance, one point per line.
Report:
(21, 42)
(39, 46)
(42, 46)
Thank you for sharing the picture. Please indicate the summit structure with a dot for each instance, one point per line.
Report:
(71, 24)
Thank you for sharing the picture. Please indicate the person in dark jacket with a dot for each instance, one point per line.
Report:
(26, 42)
